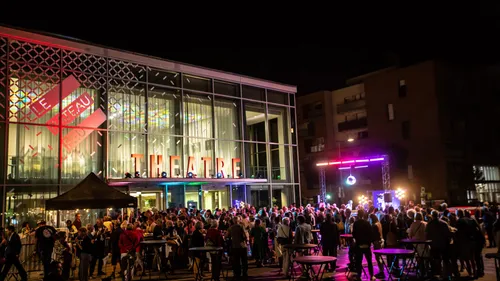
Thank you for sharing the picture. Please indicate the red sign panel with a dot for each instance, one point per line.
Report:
(76, 136)
(71, 111)
(44, 104)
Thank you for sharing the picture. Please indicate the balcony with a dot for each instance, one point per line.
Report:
(351, 106)
(353, 124)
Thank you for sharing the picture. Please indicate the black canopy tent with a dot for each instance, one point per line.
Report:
(91, 193)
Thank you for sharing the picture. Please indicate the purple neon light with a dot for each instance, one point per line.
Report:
(348, 162)
(362, 160)
(376, 159)
(359, 167)
(344, 168)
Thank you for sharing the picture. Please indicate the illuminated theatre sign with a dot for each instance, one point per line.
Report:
(45, 103)
(156, 165)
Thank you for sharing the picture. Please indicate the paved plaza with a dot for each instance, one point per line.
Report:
(272, 273)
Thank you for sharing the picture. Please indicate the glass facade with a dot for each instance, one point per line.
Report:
(65, 114)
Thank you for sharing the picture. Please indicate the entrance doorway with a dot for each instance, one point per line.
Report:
(149, 200)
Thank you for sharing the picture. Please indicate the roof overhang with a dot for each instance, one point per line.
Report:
(181, 181)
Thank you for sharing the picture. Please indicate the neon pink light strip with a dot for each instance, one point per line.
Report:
(348, 162)
(334, 163)
(377, 159)
(359, 167)
(344, 168)
(362, 160)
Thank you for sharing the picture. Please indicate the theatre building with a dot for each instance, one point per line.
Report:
(188, 136)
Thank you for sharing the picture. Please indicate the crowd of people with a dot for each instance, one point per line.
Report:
(457, 239)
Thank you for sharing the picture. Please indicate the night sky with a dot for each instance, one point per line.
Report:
(319, 55)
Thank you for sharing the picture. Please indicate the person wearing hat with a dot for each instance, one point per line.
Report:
(45, 239)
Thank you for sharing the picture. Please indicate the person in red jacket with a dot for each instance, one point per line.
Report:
(128, 243)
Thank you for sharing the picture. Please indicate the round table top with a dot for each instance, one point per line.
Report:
(300, 246)
(314, 259)
(346, 235)
(415, 241)
(206, 249)
(315, 230)
(150, 242)
(391, 251)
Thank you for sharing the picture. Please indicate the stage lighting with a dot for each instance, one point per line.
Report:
(137, 175)
(128, 175)
(163, 174)
(219, 175)
(190, 175)
(241, 175)
(328, 196)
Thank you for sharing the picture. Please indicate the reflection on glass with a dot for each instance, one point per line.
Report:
(256, 160)
(32, 154)
(227, 125)
(280, 164)
(255, 122)
(282, 195)
(278, 125)
(164, 111)
(85, 158)
(126, 106)
(260, 196)
(198, 116)
(126, 154)
(27, 203)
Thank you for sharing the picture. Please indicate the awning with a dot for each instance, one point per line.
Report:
(91, 193)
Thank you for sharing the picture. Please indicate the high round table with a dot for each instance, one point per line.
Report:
(403, 254)
(293, 249)
(420, 256)
(203, 251)
(348, 239)
(310, 261)
(156, 262)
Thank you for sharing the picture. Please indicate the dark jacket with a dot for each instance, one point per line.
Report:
(439, 232)
(13, 245)
(329, 234)
(361, 231)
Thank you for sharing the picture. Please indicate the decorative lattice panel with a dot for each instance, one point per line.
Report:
(126, 70)
(3, 89)
(3, 47)
(83, 63)
(34, 54)
(27, 84)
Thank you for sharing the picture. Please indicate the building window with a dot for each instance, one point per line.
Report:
(402, 88)
(405, 130)
(390, 111)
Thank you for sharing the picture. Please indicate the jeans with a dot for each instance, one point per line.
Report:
(46, 256)
(240, 262)
(439, 255)
(83, 271)
(330, 250)
(367, 252)
(13, 261)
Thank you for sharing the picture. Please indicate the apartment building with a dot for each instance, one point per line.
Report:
(434, 120)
